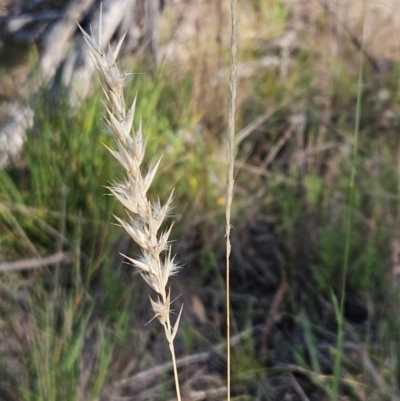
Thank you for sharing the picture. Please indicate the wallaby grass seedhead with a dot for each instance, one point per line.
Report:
(144, 216)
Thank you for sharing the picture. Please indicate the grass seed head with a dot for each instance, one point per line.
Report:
(144, 217)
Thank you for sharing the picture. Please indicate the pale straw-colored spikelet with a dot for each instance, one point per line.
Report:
(144, 217)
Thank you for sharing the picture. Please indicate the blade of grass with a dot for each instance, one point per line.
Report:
(340, 314)
(310, 342)
(11, 193)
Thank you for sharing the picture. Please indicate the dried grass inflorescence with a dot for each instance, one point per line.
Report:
(144, 217)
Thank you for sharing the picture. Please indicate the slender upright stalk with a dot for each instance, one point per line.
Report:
(144, 216)
(339, 345)
(176, 377)
(230, 184)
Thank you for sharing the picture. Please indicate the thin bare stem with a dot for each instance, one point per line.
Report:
(176, 377)
(230, 184)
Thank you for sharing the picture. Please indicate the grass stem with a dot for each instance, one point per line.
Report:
(176, 377)
(340, 318)
(230, 182)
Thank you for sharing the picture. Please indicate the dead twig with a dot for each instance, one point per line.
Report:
(28, 264)
(250, 128)
(297, 387)
(275, 150)
(200, 357)
(208, 394)
(273, 311)
(353, 35)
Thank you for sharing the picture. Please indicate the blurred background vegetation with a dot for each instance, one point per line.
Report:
(72, 315)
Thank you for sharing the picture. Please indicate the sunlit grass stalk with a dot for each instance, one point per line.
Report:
(340, 312)
(230, 182)
(145, 217)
